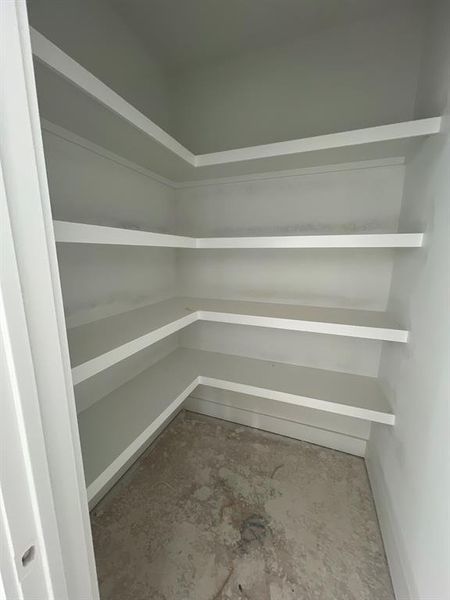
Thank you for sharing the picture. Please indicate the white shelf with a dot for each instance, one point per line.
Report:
(114, 429)
(101, 344)
(82, 233)
(368, 240)
(94, 108)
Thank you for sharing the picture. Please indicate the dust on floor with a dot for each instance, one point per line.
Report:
(218, 511)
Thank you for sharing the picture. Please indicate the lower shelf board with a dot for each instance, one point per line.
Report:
(116, 428)
(101, 344)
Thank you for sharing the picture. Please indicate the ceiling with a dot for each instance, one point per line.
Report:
(186, 33)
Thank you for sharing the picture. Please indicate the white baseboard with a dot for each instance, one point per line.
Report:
(286, 427)
(281, 426)
(401, 574)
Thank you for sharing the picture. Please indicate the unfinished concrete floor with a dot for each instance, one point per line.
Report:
(219, 511)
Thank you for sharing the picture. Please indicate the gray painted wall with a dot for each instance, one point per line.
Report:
(352, 76)
(93, 34)
(98, 280)
(343, 77)
(409, 464)
(366, 200)
(88, 187)
(434, 66)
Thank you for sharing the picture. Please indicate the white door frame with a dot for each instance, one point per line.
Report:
(41, 455)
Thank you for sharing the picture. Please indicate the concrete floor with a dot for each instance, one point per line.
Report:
(219, 511)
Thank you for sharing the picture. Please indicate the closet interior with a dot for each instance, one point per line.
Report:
(249, 235)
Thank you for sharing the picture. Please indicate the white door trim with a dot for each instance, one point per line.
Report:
(27, 515)
(31, 285)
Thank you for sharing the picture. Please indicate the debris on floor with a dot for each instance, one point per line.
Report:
(218, 511)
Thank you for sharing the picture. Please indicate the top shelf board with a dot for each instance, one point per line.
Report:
(73, 98)
(82, 233)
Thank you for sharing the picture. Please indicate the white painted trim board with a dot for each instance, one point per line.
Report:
(54, 58)
(59, 61)
(356, 137)
(78, 140)
(70, 570)
(153, 434)
(101, 344)
(400, 571)
(85, 233)
(114, 429)
(281, 426)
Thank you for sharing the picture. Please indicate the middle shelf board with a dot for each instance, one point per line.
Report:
(101, 344)
(82, 233)
(115, 428)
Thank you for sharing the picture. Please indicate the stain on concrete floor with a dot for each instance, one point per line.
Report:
(218, 511)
